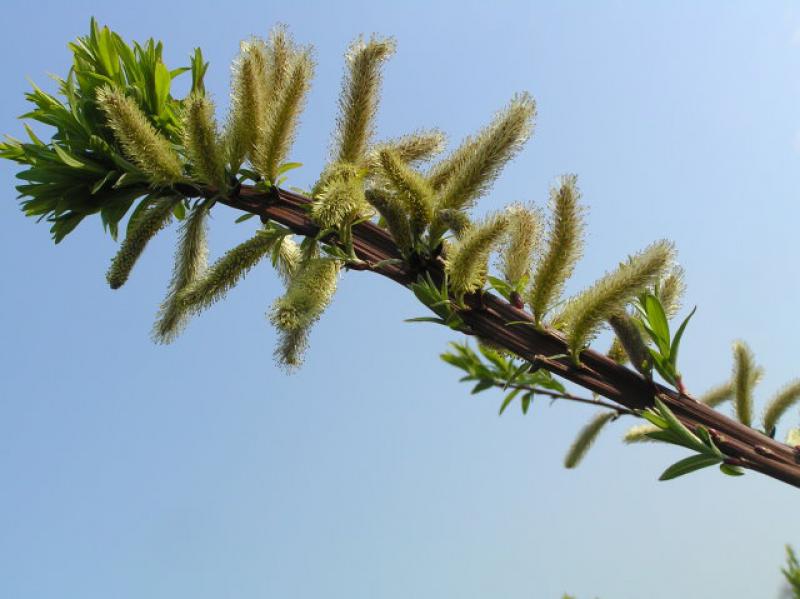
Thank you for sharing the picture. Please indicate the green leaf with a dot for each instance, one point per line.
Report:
(244, 217)
(179, 211)
(676, 342)
(68, 158)
(688, 465)
(526, 401)
(731, 470)
(509, 398)
(287, 166)
(482, 386)
(679, 428)
(425, 319)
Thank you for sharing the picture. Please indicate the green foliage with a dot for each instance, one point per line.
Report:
(437, 298)
(492, 368)
(664, 355)
(792, 572)
(83, 169)
(671, 430)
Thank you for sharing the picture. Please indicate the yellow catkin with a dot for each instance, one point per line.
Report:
(454, 220)
(309, 292)
(588, 311)
(339, 198)
(411, 149)
(522, 240)
(141, 143)
(248, 102)
(469, 171)
(586, 437)
(467, 260)
(743, 382)
(393, 214)
(639, 433)
(282, 116)
(202, 141)
(140, 232)
(671, 290)
(358, 103)
(782, 401)
(412, 189)
(718, 395)
(563, 248)
(287, 259)
(227, 271)
(190, 263)
(631, 342)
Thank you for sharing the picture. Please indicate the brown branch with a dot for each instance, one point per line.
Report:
(489, 316)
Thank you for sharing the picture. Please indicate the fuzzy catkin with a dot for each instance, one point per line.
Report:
(412, 189)
(586, 437)
(631, 341)
(410, 149)
(340, 198)
(670, 291)
(586, 313)
(190, 262)
(280, 124)
(522, 240)
(358, 102)
(309, 293)
(782, 401)
(718, 395)
(454, 220)
(248, 102)
(467, 260)
(468, 172)
(141, 143)
(202, 141)
(155, 218)
(563, 248)
(394, 216)
(286, 259)
(639, 433)
(227, 271)
(743, 382)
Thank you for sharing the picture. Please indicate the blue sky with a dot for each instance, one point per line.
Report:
(200, 470)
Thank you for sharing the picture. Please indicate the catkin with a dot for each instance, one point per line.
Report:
(141, 143)
(154, 218)
(586, 437)
(563, 248)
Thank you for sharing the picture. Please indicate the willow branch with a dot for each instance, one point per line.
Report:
(491, 317)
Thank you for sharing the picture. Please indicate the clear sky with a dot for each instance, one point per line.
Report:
(200, 470)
